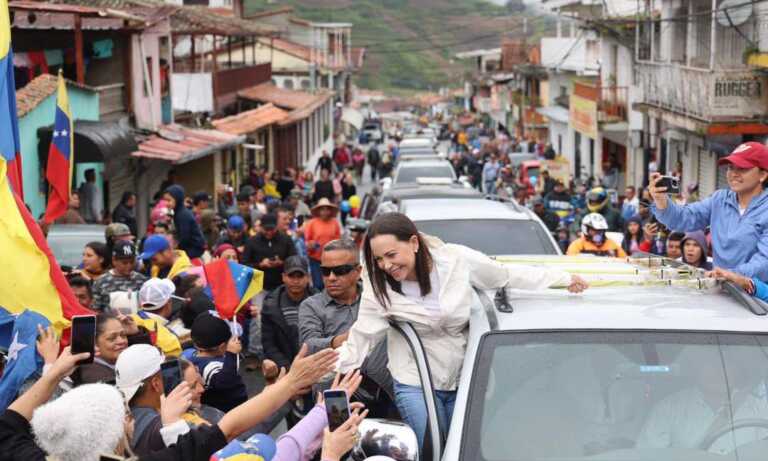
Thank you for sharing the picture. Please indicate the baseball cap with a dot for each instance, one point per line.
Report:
(243, 197)
(116, 229)
(295, 264)
(155, 293)
(269, 221)
(236, 222)
(747, 155)
(201, 197)
(134, 365)
(154, 245)
(124, 250)
(209, 331)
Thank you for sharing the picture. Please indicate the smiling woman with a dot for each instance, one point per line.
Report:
(419, 279)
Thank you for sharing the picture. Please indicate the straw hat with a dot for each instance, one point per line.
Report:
(324, 203)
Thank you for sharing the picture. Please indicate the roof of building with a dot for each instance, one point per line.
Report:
(251, 120)
(300, 114)
(292, 48)
(267, 13)
(281, 97)
(179, 144)
(38, 90)
(184, 18)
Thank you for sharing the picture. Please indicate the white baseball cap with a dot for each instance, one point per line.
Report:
(134, 365)
(155, 293)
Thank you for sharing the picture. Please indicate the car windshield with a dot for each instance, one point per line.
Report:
(411, 173)
(68, 248)
(492, 236)
(618, 396)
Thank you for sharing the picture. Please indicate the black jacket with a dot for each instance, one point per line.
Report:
(259, 248)
(123, 214)
(191, 238)
(280, 340)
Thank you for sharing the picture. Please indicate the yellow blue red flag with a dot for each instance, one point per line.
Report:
(31, 278)
(58, 171)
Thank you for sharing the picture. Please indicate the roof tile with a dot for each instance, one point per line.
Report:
(178, 144)
(250, 121)
(38, 90)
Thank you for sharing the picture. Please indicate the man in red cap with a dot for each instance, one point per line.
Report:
(737, 216)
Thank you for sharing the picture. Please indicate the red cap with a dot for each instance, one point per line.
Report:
(748, 155)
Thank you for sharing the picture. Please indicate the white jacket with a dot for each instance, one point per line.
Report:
(444, 338)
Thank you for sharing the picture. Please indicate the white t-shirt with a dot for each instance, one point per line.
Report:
(431, 302)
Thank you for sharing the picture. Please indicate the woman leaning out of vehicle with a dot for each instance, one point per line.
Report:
(419, 279)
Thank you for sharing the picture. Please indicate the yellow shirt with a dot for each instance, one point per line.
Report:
(181, 264)
(608, 248)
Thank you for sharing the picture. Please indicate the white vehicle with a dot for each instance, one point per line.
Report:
(651, 363)
(412, 170)
(373, 132)
(493, 227)
(417, 143)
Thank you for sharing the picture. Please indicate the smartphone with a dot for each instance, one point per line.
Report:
(337, 408)
(171, 371)
(84, 336)
(671, 183)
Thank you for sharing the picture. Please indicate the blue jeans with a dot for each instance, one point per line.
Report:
(317, 277)
(413, 409)
(490, 187)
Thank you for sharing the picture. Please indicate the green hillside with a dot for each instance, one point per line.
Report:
(410, 43)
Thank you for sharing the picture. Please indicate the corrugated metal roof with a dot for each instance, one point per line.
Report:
(38, 90)
(179, 144)
(250, 121)
(287, 99)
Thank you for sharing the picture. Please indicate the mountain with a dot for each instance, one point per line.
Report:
(410, 43)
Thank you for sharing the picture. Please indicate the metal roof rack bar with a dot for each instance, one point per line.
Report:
(745, 299)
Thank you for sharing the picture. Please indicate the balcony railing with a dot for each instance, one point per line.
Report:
(702, 94)
(612, 106)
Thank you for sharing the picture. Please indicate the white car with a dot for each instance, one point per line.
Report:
(412, 170)
(491, 226)
(651, 363)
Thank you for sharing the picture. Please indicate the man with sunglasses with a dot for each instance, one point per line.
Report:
(325, 320)
(738, 216)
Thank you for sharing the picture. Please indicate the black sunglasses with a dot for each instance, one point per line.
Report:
(340, 271)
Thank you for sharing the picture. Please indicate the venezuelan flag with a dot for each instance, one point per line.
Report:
(9, 130)
(59, 169)
(31, 278)
(231, 285)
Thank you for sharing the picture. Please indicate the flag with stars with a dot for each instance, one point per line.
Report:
(23, 359)
(58, 172)
(231, 285)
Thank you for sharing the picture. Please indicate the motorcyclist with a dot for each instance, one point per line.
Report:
(598, 202)
(593, 239)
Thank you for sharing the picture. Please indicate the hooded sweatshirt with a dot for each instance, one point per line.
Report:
(190, 236)
(701, 240)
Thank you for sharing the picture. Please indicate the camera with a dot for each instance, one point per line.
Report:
(671, 183)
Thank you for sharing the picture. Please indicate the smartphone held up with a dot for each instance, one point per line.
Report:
(84, 336)
(337, 408)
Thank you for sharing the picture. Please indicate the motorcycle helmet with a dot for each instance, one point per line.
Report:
(392, 439)
(597, 199)
(597, 222)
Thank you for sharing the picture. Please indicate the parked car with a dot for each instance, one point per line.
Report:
(651, 370)
(68, 240)
(491, 226)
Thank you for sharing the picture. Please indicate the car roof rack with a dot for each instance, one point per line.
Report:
(654, 270)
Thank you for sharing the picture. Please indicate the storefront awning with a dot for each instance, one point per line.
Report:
(94, 141)
(178, 144)
(555, 113)
(352, 117)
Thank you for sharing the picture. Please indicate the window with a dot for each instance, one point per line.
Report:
(305, 84)
(492, 236)
(288, 84)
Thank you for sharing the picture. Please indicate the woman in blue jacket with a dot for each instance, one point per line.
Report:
(737, 216)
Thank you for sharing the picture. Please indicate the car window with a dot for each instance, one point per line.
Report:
(492, 236)
(408, 174)
(68, 249)
(618, 395)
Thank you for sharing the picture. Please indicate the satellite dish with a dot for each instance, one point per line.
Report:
(737, 10)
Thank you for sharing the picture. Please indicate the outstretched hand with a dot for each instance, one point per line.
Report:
(307, 370)
(577, 284)
(47, 344)
(339, 442)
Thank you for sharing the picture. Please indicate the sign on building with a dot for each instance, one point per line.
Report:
(583, 115)
(738, 95)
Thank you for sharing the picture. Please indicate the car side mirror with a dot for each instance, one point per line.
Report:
(386, 438)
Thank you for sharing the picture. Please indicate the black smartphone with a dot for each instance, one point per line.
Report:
(337, 408)
(171, 371)
(671, 183)
(84, 336)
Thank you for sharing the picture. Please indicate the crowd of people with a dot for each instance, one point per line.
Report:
(328, 300)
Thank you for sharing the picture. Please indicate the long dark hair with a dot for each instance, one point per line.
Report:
(101, 251)
(399, 226)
